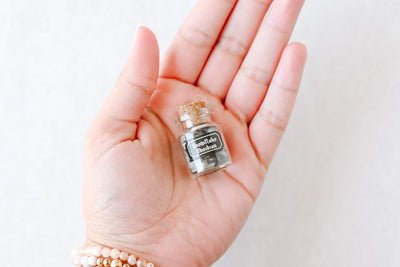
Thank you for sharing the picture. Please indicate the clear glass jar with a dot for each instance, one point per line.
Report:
(202, 140)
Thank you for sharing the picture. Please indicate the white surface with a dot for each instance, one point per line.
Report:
(332, 195)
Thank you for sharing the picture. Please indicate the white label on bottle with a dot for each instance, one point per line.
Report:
(205, 144)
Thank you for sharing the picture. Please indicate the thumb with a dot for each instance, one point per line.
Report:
(133, 89)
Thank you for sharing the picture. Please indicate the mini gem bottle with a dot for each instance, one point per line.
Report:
(202, 140)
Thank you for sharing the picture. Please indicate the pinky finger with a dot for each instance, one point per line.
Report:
(270, 121)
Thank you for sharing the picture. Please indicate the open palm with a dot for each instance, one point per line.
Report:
(138, 193)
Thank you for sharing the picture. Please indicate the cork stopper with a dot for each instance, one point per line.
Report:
(191, 108)
(193, 114)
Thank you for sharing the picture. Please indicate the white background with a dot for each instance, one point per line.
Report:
(332, 195)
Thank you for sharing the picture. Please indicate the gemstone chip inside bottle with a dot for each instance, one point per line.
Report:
(202, 140)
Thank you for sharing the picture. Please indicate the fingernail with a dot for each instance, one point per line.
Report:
(140, 24)
(136, 31)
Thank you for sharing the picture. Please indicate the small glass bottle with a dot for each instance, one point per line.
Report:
(202, 140)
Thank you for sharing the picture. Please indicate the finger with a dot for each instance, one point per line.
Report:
(189, 50)
(254, 76)
(232, 46)
(269, 123)
(127, 101)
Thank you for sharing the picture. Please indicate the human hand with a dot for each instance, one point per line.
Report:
(138, 193)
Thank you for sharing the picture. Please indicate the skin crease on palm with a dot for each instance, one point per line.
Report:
(138, 192)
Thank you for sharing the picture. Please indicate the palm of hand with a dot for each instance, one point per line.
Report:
(156, 204)
(138, 193)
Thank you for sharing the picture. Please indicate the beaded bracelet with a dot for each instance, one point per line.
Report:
(106, 257)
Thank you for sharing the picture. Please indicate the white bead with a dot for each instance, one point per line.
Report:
(97, 251)
(89, 251)
(85, 260)
(92, 261)
(115, 253)
(150, 264)
(105, 252)
(74, 253)
(132, 260)
(123, 256)
(77, 260)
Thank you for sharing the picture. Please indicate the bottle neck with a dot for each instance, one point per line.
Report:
(190, 120)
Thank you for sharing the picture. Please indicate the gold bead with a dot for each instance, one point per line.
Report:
(107, 262)
(126, 265)
(116, 263)
(99, 262)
